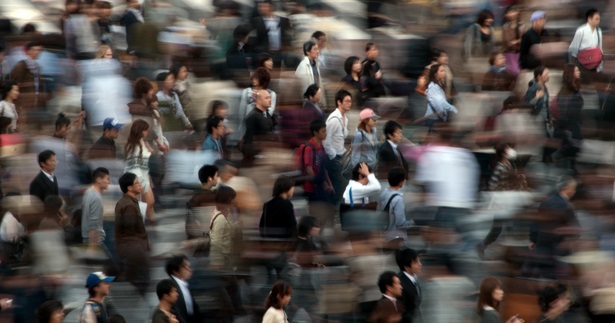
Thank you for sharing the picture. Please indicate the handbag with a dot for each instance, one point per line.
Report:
(203, 248)
(346, 210)
(592, 57)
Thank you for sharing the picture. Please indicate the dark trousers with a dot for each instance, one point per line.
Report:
(134, 258)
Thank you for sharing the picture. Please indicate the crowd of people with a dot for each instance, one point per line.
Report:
(372, 215)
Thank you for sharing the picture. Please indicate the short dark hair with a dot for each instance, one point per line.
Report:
(390, 127)
(241, 32)
(282, 185)
(307, 46)
(213, 122)
(483, 15)
(311, 90)
(349, 62)
(162, 76)
(306, 223)
(340, 95)
(175, 67)
(590, 13)
(386, 279)
(31, 44)
(262, 58)
(45, 155)
(317, 34)
(46, 310)
(396, 176)
(99, 172)
(174, 264)
(7, 86)
(405, 257)
(436, 53)
(141, 87)
(369, 46)
(225, 196)
(550, 294)
(164, 287)
(316, 125)
(355, 171)
(263, 76)
(126, 180)
(217, 105)
(62, 121)
(492, 57)
(207, 171)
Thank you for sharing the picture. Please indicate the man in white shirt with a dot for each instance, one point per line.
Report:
(362, 185)
(587, 37)
(337, 131)
(180, 271)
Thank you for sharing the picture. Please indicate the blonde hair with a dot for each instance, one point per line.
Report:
(102, 50)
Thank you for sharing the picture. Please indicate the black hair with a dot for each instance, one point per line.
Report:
(390, 127)
(174, 264)
(311, 90)
(31, 44)
(46, 310)
(396, 175)
(213, 122)
(549, 295)
(484, 15)
(318, 34)
(340, 95)
(590, 13)
(282, 185)
(355, 171)
(492, 57)
(28, 28)
(385, 280)
(306, 223)
(164, 287)
(207, 171)
(316, 125)
(225, 196)
(537, 72)
(436, 53)
(405, 257)
(99, 172)
(279, 289)
(369, 46)
(307, 46)
(241, 32)
(117, 318)
(162, 76)
(126, 180)
(262, 58)
(45, 155)
(217, 105)
(175, 67)
(62, 121)
(349, 62)
(263, 76)
(7, 86)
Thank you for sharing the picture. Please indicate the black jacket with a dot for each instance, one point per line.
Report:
(278, 219)
(387, 159)
(179, 308)
(42, 187)
(526, 59)
(262, 36)
(411, 297)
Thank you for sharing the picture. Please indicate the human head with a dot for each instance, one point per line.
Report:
(263, 99)
(316, 129)
(215, 124)
(355, 172)
(279, 296)
(538, 20)
(541, 73)
(511, 13)
(437, 73)
(10, 89)
(265, 60)
(100, 177)
(208, 173)
(497, 59)
(311, 50)
(396, 176)
(47, 161)
(166, 291)
(225, 198)
(226, 170)
(502, 151)
(142, 89)
(367, 119)
(349, 65)
(308, 226)
(62, 126)
(283, 184)
(320, 38)
(166, 81)
(179, 71)
(371, 51)
(261, 77)
(264, 8)
(439, 56)
(389, 284)
(219, 109)
(567, 186)
(593, 17)
(104, 9)
(408, 260)
(97, 284)
(241, 33)
(33, 50)
(104, 51)
(111, 128)
(51, 311)
(485, 18)
(343, 99)
(554, 296)
(129, 183)
(179, 266)
(490, 294)
(571, 78)
(311, 93)
(393, 131)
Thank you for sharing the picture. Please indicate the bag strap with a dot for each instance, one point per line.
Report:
(351, 199)
(211, 226)
(388, 205)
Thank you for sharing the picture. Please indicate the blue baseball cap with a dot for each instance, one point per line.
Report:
(96, 278)
(112, 123)
(537, 15)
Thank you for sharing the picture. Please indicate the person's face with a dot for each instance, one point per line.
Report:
(136, 187)
(322, 41)
(291, 192)
(104, 182)
(173, 296)
(105, 13)
(108, 53)
(321, 134)
(371, 122)
(443, 59)
(222, 113)
(512, 15)
(264, 9)
(182, 74)
(540, 23)
(264, 99)
(372, 53)
(169, 82)
(150, 94)
(498, 294)
(219, 130)
(214, 180)
(72, 7)
(396, 289)
(594, 20)
(255, 82)
(499, 60)
(104, 288)
(154, 105)
(57, 316)
(34, 51)
(416, 266)
(488, 22)
(440, 74)
(313, 53)
(571, 189)
(346, 103)
(144, 133)
(185, 271)
(577, 73)
(356, 67)
(49, 166)
(62, 131)
(314, 231)
(545, 75)
(318, 96)
(228, 173)
(284, 300)
(268, 64)
(14, 93)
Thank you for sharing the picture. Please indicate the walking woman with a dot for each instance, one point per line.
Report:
(438, 108)
(276, 301)
(537, 96)
(512, 31)
(138, 152)
(221, 228)
(568, 121)
(478, 40)
(365, 141)
(8, 111)
(490, 297)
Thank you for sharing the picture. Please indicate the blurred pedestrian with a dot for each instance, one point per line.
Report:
(489, 298)
(535, 35)
(202, 202)
(215, 133)
(438, 56)
(104, 51)
(410, 267)
(554, 301)
(278, 217)
(45, 183)
(586, 46)
(168, 295)
(389, 153)
(8, 111)
(221, 228)
(478, 39)
(337, 131)
(388, 309)
(27, 75)
(259, 125)
(372, 84)
(131, 238)
(185, 307)
(92, 210)
(276, 301)
(51, 311)
(498, 78)
(308, 71)
(392, 202)
(104, 147)
(182, 86)
(505, 176)
(567, 122)
(365, 141)
(512, 31)
(130, 20)
(537, 96)
(137, 153)
(81, 31)
(438, 108)
(260, 81)
(171, 109)
(273, 33)
(95, 309)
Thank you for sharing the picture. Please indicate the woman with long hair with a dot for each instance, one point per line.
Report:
(8, 110)
(567, 122)
(171, 108)
(138, 152)
(537, 96)
(276, 301)
(479, 36)
(221, 227)
(489, 298)
(182, 86)
(438, 56)
(512, 31)
(145, 107)
(104, 51)
(365, 141)
(352, 67)
(438, 108)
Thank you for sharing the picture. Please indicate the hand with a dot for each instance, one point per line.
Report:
(378, 75)
(5, 303)
(203, 21)
(531, 246)
(540, 94)
(363, 169)
(189, 126)
(515, 319)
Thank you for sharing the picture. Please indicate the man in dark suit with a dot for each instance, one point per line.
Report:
(45, 183)
(388, 309)
(273, 33)
(410, 266)
(389, 154)
(185, 308)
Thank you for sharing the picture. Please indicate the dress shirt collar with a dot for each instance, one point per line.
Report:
(392, 299)
(394, 145)
(50, 176)
(411, 277)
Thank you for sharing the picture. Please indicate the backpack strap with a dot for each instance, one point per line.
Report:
(211, 226)
(388, 205)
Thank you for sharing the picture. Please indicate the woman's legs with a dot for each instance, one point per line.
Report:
(148, 197)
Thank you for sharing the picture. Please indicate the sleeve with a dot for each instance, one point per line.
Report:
(496, 177)
(249, 126)
(530, 95)
(357, 147)
(222, 230)
(308, 156)
(437, 100)
(398, 209)
(87, 315)
(274, 98)
(243, 104)
(334, 127)
(208, 144)
(468, 41)
(93, 211)
(575, 44)
(180, 110)
(361, 191)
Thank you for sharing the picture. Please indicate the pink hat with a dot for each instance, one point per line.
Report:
(368, 113)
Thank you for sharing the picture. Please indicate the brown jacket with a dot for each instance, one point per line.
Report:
(129, 221)
(25, 79)
(511, 37)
